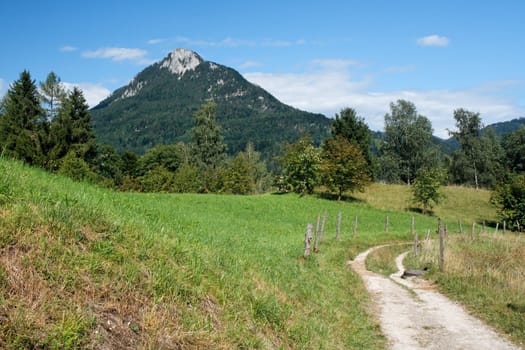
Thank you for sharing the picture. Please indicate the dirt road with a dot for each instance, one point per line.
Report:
(414, 316)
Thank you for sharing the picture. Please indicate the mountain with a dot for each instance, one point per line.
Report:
(503, 128)
(157, 107)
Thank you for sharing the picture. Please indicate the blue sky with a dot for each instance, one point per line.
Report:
(319, 56)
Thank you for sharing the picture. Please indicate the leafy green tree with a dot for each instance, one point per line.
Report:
(240, 175)
(408, 137)
(108, 165)
(187, 179)
(478, 161)
(468, 126)
(129, 163)
(509, 198)
(514, 146)
(246, 173)
(343, 167)
(426, 188)
(158, 179)
(166, 156)
(210, 151)
(349, 125)
(52, 94)
(76, 168)
(23, 126)
(301, 165)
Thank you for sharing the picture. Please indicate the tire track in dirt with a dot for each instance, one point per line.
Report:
(415, 316)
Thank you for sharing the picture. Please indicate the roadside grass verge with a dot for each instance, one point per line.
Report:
(486, 275)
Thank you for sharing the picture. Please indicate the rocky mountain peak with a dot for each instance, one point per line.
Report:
(179, 61)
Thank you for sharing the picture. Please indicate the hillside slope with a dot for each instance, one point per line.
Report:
(158, 104)
(83, 267)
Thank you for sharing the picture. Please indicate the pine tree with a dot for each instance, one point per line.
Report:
(23, 128)
(352, 127)
(209, 149)
(71, 130)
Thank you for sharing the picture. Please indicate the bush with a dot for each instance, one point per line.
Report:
(509, 198)
(76, 168)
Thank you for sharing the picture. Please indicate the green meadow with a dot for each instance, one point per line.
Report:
(84, 267)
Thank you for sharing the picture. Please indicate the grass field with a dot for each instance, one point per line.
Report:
(84, 267)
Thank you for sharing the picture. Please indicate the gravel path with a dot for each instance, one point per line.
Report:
(414, 316)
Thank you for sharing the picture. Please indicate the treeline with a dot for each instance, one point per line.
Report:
(51, 128)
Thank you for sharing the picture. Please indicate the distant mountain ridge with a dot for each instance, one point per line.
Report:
(157, 107)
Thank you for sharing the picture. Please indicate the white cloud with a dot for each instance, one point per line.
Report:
(331, 89)
(433, 40)
(93, 93)
(155, 41)
(120, 54)
(335, 64)
(400, 69)
(250, 64)
(68, 48)
(233, 42)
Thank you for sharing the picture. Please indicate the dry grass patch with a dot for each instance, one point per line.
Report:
(60, 290)
(485, 274)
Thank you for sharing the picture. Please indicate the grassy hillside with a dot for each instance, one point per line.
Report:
(464, 203)
(83, 267)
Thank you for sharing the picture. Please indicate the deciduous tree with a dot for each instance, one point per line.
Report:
(426, 188)
(408, 138)
(52, 94)
(478, 161)
(509, 198)
(301, 165)
(344, 168)
(514, 146)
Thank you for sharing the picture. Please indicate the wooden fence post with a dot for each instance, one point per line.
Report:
(415, 244)
(386, 224)
(308, 240)
(316, 239)
(441, 247)
(504, 226)
(355, 226)
(322, 227)
(460, 227)
(338, 233)
(496, 231)
(412, 226)
(472, 231)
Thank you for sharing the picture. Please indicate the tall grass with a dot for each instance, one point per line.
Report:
(485, 274)
(458, 203)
